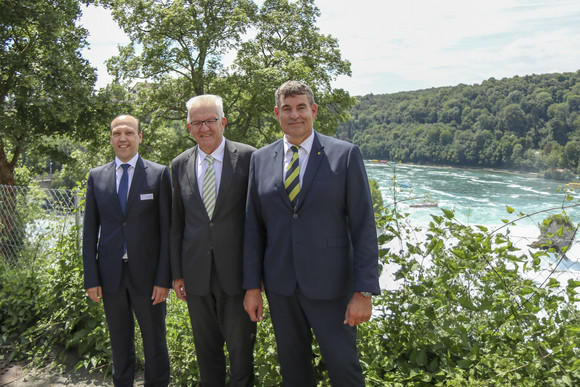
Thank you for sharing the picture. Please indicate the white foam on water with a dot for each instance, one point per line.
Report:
(484, 203)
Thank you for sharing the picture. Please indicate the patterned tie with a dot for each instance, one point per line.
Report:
(124, 187)
(292, 182)
(208, 191)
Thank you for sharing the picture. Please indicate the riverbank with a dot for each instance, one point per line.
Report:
(539, 175)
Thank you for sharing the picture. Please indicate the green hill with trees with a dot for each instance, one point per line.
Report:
(529, 123)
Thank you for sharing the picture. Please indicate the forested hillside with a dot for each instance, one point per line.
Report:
(529, 123)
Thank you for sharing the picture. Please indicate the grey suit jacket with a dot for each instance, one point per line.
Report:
(196, 239)
(144, 226)
(328, 244)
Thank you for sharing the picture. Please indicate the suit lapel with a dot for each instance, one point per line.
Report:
(112, 185)
(279, 173)
(139, 179)
(230, 161)
(190, 168)
(316, 154)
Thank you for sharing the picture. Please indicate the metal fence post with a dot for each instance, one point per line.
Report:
(77, 210)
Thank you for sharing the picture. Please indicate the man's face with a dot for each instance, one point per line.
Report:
(296, 117)
(125, 137)
(207, 135)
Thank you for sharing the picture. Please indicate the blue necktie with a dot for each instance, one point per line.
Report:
(124, 187)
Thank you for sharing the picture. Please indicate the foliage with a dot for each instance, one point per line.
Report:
(85, 152)
(46, 87)
(467, 310)
(376, 195)
(184, 368)
(561, 220)
(236, 49)
(530, 123)
(44, 308)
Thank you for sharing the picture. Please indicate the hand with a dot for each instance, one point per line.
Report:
(95, 293)
(359, 310)
(159, 294)
(179, 288)
(254, 305)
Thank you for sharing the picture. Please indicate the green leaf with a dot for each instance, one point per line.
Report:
(448, 213)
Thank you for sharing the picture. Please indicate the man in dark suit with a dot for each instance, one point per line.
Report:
(210, 184)
(310, 236)
(126, 252)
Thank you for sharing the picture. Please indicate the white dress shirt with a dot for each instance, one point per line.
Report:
(303, 155)
(201, 165)
(130, 171)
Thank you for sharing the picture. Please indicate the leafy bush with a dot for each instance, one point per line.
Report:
(467, 312)
(44, 308)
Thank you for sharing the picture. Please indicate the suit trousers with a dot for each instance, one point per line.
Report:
(294, 318)
(215, 319)
(119, 308)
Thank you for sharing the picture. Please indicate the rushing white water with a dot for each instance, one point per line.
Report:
(478, 197)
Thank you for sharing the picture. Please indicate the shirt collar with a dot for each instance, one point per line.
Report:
(217, 154)
(131, 162)
(306, 144)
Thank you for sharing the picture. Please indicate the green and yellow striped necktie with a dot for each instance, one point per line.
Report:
(292, 182)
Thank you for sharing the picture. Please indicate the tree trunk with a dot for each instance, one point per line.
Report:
(7, 167)
(8, 206)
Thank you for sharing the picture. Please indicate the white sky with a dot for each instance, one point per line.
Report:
(417, 44)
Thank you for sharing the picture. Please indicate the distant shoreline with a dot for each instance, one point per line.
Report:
(485, 169)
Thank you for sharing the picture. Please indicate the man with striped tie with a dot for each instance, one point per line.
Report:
(210, 182)
(310, 236)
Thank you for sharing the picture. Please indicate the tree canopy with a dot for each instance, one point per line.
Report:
(45, 84)
(530, 123)
(234, 48)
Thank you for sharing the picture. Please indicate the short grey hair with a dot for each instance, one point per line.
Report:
(205, 100)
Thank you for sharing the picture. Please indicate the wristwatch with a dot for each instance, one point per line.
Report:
(366, 294)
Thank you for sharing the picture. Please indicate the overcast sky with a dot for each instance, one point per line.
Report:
(417, 44)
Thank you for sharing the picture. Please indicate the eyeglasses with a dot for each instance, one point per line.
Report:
(208, 122)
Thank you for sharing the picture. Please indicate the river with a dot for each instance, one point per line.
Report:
(478, 197)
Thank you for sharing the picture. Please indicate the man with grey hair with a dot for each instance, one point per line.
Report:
(209, 190)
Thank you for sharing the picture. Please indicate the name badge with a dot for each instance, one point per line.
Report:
(148, 196)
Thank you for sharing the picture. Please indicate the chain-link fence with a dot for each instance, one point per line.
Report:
(32, 218)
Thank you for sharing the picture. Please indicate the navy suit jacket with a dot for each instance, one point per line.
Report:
(145, 227)
(195, 238)
(328, 244)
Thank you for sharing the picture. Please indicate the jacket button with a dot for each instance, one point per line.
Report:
(295, 216)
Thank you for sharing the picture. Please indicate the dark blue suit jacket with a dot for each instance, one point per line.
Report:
(145, 227)
(328, 245)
